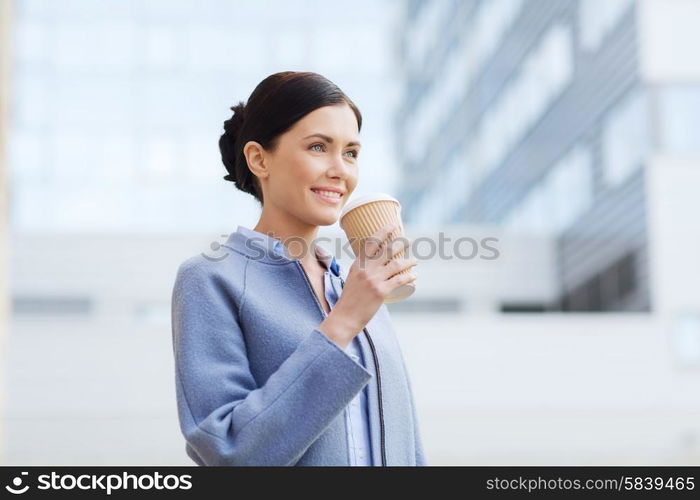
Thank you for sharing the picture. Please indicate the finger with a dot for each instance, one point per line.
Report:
(395, 248)
(395, 266)
(398, 280)
(391, 250)
(374, 243)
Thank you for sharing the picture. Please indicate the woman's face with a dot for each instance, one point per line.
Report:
(319, 151)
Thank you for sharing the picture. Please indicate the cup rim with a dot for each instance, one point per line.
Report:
(364, 199)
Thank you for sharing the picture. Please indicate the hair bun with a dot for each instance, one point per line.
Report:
(232, 126)
(227, 142)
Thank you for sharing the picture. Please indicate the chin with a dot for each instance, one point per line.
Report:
(324, 215)
(317, 217)
(326, 220)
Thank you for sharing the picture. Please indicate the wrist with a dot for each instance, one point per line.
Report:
(338, 328)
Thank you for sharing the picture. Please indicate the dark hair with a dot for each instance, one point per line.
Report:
(275, 105)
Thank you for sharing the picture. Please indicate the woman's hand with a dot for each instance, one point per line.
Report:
(371, 278)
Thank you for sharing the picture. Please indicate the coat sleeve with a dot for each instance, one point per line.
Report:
(225, 417)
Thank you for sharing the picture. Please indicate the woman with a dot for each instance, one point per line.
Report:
(278, 359)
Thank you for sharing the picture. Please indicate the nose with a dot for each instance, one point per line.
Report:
(339, 168)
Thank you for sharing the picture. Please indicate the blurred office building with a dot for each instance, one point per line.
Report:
(569, 131)
(120, 104)
(577, 120)
(563, 134)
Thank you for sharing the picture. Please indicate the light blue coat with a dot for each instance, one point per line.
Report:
(258, 384)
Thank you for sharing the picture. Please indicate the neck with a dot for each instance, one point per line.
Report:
(296, 235)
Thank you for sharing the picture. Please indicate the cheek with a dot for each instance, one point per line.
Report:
(303, 170)
(353, 179)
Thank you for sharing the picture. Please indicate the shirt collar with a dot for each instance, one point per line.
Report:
(271, 250)
(263, 240)
(327, 259)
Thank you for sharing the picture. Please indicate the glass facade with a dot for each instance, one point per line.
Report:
(119, 105)
(561, 197)
(540, 80)
(597, 18)
(542, 105)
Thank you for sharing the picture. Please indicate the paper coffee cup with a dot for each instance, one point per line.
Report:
(362, 217)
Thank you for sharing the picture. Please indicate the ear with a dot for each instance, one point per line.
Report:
(255, 157)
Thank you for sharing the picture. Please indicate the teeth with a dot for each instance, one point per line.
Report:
(332, 194)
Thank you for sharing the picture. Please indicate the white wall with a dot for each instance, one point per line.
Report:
(552, 389)
(490, 388)
(673, 185)
(669, 39)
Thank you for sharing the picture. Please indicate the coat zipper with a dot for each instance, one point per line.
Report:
(374, 355)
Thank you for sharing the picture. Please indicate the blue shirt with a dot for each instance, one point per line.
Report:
(356, 415)
(357, 419)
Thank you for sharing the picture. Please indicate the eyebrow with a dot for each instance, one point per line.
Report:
(330, 139)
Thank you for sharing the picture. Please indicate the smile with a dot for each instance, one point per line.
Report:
(328, 196)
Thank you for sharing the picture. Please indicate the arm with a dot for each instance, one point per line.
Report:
(225, 417)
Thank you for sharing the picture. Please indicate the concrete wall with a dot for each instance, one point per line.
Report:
(5, 48)
(668, 36)
(91, 377)
(555, 388)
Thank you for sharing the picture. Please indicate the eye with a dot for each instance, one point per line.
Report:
(355, 152)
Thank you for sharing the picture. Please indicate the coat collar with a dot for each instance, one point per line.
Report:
(265, 248)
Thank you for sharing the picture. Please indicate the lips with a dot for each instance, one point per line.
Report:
(329, 191)
(327, 196)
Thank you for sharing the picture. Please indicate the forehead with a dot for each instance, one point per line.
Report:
(337, 121)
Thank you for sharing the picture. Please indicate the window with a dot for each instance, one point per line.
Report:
(686, 338)
(570, 188)
(605, 290)
(545, 73)
(597, 17)
(679, 118)
(51, 306)
(490, 23)
(626, 275)
(161, 157)
(160, 47)
(426, 30)
(453, 187)
(427, 306)
(626, 137)
(479, 40)
(94, 46)
(30, 41)
(155, 313)
(563, 195)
